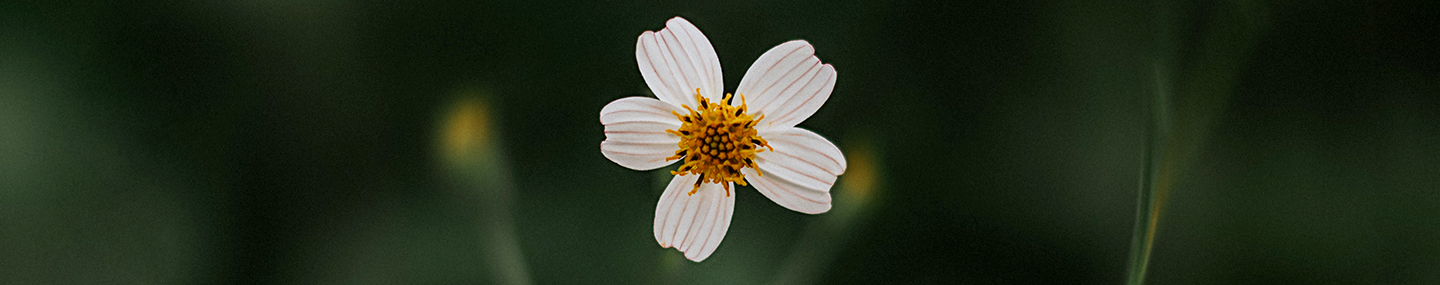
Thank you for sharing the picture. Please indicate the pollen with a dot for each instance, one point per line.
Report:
(717, 140)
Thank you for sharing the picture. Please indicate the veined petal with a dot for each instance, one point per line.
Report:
(694, 224)
(635, 134)
(678, 59)
(799, 173)
(642, 132)
(787, 194)
(637, 108)
(787, 84)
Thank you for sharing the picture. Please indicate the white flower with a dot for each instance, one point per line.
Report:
(723, 139)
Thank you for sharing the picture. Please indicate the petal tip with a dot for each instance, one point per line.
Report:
(820, 209)
(676, 20)
(696, 258)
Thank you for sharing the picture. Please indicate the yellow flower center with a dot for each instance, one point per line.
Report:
(716, 141)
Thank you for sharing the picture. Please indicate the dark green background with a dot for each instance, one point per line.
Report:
(244, 142)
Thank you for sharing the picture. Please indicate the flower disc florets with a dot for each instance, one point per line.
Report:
(716, 141)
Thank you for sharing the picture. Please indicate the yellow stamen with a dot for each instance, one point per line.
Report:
(716, 141)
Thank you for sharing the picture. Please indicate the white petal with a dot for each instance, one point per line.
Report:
(787, 84)
(694, 224)
(638, 108)
(799, 173)
(678, 59)
(635, 134)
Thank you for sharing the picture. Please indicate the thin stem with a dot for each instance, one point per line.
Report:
(1149, 201)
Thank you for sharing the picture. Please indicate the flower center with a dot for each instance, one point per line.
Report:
(716, 141)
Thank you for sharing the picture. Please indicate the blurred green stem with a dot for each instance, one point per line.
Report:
(819, 244)
(1181, 115)
(1149, 201)
(478, 167)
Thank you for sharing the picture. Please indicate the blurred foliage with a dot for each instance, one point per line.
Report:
(162, 142)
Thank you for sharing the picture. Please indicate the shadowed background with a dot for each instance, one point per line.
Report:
(990, 142)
